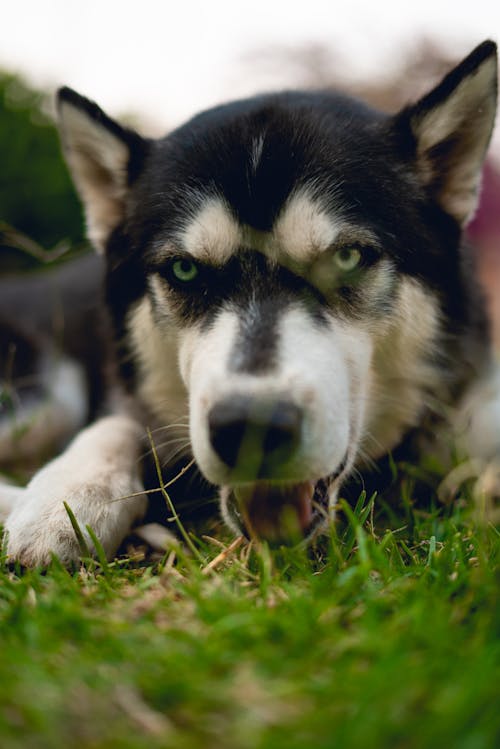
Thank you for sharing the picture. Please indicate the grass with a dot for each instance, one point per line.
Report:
(377, 638)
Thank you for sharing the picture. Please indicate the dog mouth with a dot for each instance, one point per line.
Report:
(281, 513)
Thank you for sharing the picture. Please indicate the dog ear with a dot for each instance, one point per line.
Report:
(452, 127)
(103, 158)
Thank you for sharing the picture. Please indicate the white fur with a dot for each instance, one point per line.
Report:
(302, 231)
(160, 385)
(477, 422)
(471, 106)
(99, 466)
(402, 369)
(360, 385)
(204, 358)
(304, 228)
(213, 234)
(442, 120)
(319, 370)
(98, 161)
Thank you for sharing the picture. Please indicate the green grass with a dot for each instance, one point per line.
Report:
(376, 639)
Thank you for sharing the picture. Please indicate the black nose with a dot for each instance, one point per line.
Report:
(253, 435)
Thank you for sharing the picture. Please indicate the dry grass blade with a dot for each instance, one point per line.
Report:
(150, 721)
(211, 566)
(14, 238)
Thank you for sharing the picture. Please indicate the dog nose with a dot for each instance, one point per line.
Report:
(249, 434)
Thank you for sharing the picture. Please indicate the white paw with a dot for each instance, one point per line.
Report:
(32, 537)
(95, 476)
(39, 526)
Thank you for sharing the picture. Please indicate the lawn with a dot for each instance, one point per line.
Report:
(386, 635)
(375, 638)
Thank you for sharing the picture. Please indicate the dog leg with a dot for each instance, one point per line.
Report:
(99, 467)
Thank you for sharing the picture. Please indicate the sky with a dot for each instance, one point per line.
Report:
(166, 60)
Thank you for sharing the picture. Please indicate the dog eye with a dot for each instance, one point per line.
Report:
(347, 258)
(184, 270)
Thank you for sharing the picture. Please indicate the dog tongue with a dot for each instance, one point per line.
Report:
(276, 513)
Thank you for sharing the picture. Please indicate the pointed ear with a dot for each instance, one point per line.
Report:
(452, 127)
(103, 158)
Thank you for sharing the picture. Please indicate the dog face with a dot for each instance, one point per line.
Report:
(281, 270)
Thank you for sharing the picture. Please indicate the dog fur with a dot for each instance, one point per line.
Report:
(290, 298)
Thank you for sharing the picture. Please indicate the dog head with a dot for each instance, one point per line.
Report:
(280, 268)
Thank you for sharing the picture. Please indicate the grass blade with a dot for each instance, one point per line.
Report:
(84, 549)
(101, 554)
(170, 505)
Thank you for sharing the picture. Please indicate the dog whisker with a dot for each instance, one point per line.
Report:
(179, 425)
(184, 449)
(167, 443)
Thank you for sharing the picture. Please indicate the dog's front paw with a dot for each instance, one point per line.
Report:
(97, 477)
(39, 527)
(32, 538)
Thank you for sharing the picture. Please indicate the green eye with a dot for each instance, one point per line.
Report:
(347, 258)
(185, 270)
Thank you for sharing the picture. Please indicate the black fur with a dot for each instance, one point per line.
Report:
(399, 188)
(358, 161)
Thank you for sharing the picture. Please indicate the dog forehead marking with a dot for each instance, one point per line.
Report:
(304, 229)
(213, 234)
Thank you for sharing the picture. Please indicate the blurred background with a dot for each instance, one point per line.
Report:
(155, 63)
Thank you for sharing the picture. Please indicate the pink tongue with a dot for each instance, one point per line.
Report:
(276, 513)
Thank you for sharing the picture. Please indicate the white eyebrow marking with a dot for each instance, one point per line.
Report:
(304, 229)
(213, 234)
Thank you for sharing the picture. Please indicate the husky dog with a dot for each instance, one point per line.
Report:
(290, 297)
